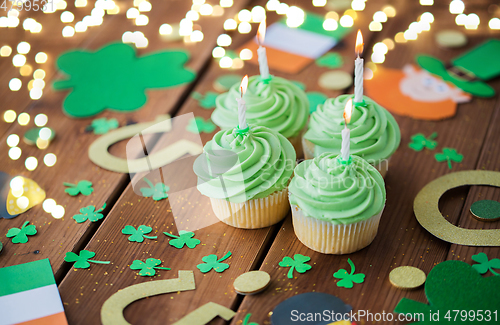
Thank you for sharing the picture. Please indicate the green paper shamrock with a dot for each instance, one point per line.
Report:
(158, 191)
(348, 279)
(211, 262)
(84, 187)
(453, 289)
(82, 259)
(330, 60)
(206, 101)
(21, 235)
(148, 268)
(199, 125)
(89, 213)
(297, 263)
(449, 155)
(113, 77)
(184, 238)
(247, 319)
(139, 234)
(315, 98)
(103, 125)
(419, 142)
(485, 264)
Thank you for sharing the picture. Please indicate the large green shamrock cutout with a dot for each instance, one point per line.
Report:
(296, 263)
(103, 125)
(184, 238)
(206, 101)
(199, 125)
(348, 279)
(148, 268)
(139, 234)
(89, 213)
(485, 264)
(330, 60)
(457, 294)
(449, 155)
(21, 235)
(419, 142)
(211, 262)
(157, 191)
(82, 259)
(114, 78)
(84, 187)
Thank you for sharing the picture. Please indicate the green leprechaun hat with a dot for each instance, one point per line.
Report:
(470, 70)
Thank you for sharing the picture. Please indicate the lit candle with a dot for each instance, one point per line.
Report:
(358, 71)
(261, 51)
(242, 107)
(346, 133)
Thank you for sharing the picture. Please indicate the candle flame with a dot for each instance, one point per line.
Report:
(348, 111)
(244, 85)
(261, 32)
(359, 43)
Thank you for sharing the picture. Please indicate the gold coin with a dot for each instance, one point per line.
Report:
(451, 38)
(251, 282)
(336, 80)
(407, 277)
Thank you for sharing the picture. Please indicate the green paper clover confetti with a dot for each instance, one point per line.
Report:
(485, 264)
(330, 60)
(211, 262)
(184, 238)
(419, 142)
(89, 213)
(139, 234)
(1, 246)
(84, 187)
(148, 268)
(103, 125)
(449, 154)
(297, 263)
(247, 319)
(225, 82)
(115, 78)
(206, 101)
(21, 235)
(82, 259)
(199, 125)
(315, 98)
(348, 279)
(157, 191)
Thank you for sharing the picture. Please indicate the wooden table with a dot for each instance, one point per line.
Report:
(474, 132)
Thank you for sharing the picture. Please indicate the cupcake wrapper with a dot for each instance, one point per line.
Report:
(308, 148)
(256, 213)
(328, 238)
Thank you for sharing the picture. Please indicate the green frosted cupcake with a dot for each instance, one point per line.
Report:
(375, 134)
(336, 206)
(275, 103)
(246, 175)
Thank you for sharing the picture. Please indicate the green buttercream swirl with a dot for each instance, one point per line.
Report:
(375, 134)
(240, 167)
(276, 103)
(328, 190)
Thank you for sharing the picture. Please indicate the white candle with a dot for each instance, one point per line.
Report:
(346, 133)
(242, 107)
(358, 70)
(261, 51)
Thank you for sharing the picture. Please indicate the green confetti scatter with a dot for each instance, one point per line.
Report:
(84, 187)
(485, 264)
(419, 142)
(449, 155)
(138, 235)
(103, 125)
(82, 259)
(487, 210)
(348, 279)
(157, 191)
(89, 213)
(115, 78)
(199, 125)
(297, 263)
(315, 98)
(330, 60)
(211, 262)
(147, 268)
(206, 101)
(184, 238)
(21, 235)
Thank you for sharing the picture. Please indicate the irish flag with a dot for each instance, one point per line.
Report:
(29, 295)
